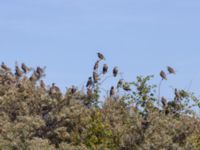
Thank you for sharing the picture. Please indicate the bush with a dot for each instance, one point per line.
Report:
(35, 116)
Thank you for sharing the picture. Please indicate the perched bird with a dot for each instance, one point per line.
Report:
(54, 89)
(5, 67)
(171, 70)
(34, 77)
(105, 68)
(25, 68)
(42, 84)
(126, 87)
(163, 75)
(112, 91)
(89, 82)
(95, 77)
(18, 72)
(73, 89)
(115, 71)
(101, 56)
(96, 65)
(120, 83)
(40, 71)
(164, 101)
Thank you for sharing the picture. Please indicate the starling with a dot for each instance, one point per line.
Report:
(42, 84)
(112, 91)
(115, 71)
(171, 70)
(96, 65)
(73, 89)
(54, 89)
(101, 56)
(18, 72)
(164, 101)
(3, 65)
(35, 76)
(105, 68)
(120, 83)
(40, 71)
(95, 77)
(126, 87)
(89, 83)
(25, 68)
(163, 75)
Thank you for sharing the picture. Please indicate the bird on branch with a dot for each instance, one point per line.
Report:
(163, 75)
(101, 56)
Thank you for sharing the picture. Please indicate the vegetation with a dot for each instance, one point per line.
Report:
(34, 116)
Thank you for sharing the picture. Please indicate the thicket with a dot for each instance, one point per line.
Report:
(133, 116)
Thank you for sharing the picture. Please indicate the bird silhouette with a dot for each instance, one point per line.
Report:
(164, 101)
(5, 67)
(34, 77)
(54, 89)
(112, 91)
(18, 72)
(89, 82)
(115, 71)
(171, 70)
(40, 71)
(101, 56)
(163, 75)
(73, 90)
(105, 68)
(25, 68)
(42, 84)
(96, 65)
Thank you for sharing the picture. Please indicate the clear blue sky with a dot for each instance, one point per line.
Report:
(140, 36)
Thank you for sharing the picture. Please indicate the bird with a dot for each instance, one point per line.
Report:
(112, 91)
(54, 89)
(126, 87)
(96, 65)
(40, 71)
(164, 101)
(120, 83)
(42, 84)
(25, 68)
(35, 76)
(163, 75)
(171, 70)
(89, 82)
(95, 77)
(18, 72)
(105, 68)
(101, 56)
(5, 67)
(73, 89)
(115, 71)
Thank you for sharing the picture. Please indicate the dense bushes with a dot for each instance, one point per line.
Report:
(34, 116)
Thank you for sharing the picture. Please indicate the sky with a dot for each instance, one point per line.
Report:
(141, 37)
